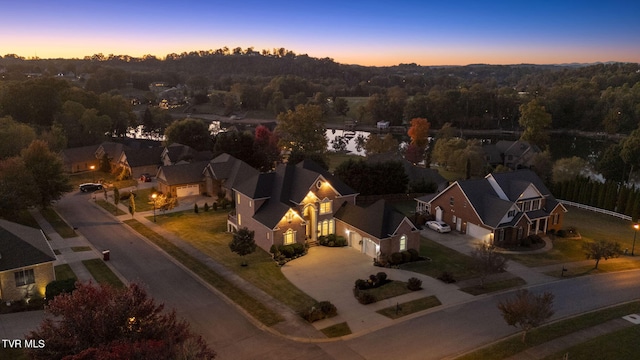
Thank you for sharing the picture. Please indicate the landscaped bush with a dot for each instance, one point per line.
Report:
(287, 251)
(406, 256)
(21, 305)
(332, 240)
(298, 249)
(214, 206)
(381, 277)
(395, 258)
(414, 284)
(58, 287)
(446, 277)
(531, 240)
(363, 297)
(284, 253)
(415, 255)
(206, 207)
(319, 311)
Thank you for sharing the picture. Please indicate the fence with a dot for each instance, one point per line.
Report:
(595, 209)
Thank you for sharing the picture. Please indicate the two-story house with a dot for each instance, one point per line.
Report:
(501, 208)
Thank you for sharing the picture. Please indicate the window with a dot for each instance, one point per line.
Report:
(326, 206)
(326, 227)
(536, 205)
(451, 201)
(454, 219)
(403, 242)
(238, 199)
(527, 206)
(250, 203)
(289, 237)
(239, 219)
(25, 277)
(511, 213)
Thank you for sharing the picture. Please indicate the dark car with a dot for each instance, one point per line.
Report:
(90, 187)
(145, 177)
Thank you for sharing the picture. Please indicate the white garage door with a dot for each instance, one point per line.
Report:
(355, 240)
(370, 248)
(187, 190)
(478, 232)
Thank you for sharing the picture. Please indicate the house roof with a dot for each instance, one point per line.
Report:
(178, 152)
(188, 173)
(414, 173)
(144, 156)
(514, 183)
(79, 154)
(378, 219)
(22, 246)
(230, 169)
(112, 149)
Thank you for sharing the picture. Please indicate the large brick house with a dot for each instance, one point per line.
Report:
(500, 208)
(298, 203)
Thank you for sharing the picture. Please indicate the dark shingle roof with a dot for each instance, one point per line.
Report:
(22, 246)
(378, 219)
(144, 157)
(515, 182)
(182, 173)
(79, 154)
(232, 170)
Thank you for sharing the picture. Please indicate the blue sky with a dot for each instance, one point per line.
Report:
(352, 32)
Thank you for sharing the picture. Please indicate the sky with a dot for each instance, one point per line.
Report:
(371, 33)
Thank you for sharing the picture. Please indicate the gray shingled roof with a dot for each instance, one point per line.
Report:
(22, 246)
(79, 154)
(232, 170)
(378, 219)
(513, 183)
(144, 156)
(182, 173)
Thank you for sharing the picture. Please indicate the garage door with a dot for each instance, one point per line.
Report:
(355, 240)
(478, 232)
(370, 248)
(187, 190)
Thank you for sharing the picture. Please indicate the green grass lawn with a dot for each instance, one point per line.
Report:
(58, 224)
(442, 259)
(80, 248)
(206, 231)
(410, 307)
(337, 330)
(95, 176)
(64, 272)
(621, 344)
(101, 273)
(251, 305)
(110, 207)
(389, 290)
(490, 287)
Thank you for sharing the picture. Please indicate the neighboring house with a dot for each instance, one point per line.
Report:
(26, 262)
(141, 161)
(224, 172)
(179, 154)
(414, 173)
(512, 154)
(501, 208)
(182, 180)
(113, 151)
(377, 230)
(298, 203)
(80, 158)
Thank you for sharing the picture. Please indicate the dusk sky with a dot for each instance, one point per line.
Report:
(351, 32)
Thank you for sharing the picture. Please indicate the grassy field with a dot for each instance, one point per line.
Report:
(389, 290)
(106, 178)
(58, 224)
(110, 207)
(443, 259)
(336, 159)
(206, 231)
(621, 344)
(64, 272)
(101, 273)
(251, 305)
(337, 330)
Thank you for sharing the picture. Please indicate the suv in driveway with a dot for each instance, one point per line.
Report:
(90, 187)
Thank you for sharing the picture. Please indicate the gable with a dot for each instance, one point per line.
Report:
(22, 246)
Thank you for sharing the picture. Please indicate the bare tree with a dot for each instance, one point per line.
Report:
(527, 310)
(486, 261)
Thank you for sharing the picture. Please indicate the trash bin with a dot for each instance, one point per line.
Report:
(105, 255)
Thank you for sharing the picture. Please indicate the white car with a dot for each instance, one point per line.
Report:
(439, 226)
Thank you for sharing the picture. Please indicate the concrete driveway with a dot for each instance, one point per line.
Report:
(330, 273)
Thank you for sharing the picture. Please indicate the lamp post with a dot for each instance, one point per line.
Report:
(154, 196)
(93, 174)
(635, 227)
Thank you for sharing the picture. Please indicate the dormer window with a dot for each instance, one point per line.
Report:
(326, 206)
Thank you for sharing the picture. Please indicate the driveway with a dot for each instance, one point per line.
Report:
(327, 273)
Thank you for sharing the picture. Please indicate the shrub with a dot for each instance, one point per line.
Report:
(395, 258)
(406, 256)
(328, 309)
(341, 241)
(414, 284)
(298, 249)
(274, 250)
(364, 297)
(214, 206)
(381, 277)
(195, 208)
(446, 277)
(362, 284)
(287, 251)
(415, 255)
(58, 287)
(312, 314)
(206, 207)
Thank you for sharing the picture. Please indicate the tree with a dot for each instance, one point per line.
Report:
(18, 189)
(265, 149)
(14, 137)
(243, 243)
(341, 106)
(132, 204)
(601, 249)
(486, 261)
(190, 132)
(302, 130)
(630, 152)
(527, 310)
(103, 322)
(48, 171)
(419, 132)
(377, 145)
(536, 121)
(567, 169)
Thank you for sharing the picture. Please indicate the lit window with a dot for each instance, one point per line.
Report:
(25, 277)
(403, 242)
(239, 219)
(289, 237)
(238, 199)
(326, 206)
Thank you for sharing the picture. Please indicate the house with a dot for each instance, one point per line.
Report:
(500, 208)
(377, 230)
(298, 203)
(182, 180)
(113, 151)
(141, 161)
(224, 172)
(80, 158)
(512, 154)
(178, 153)
(26, 262)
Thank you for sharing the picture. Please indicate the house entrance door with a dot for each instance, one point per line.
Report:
(310, 218)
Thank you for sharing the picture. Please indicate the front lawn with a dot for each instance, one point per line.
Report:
(102, 273)
(58, 224)
(389, 290)
(443, 259)
(337, 330)
(410, 307)
(206, 231)
(64, 272)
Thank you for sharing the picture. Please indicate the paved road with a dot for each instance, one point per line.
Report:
(442, 333)
(228, 332)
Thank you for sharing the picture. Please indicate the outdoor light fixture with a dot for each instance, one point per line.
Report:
(635, 227)
(154, 196)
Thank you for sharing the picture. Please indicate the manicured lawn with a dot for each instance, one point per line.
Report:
(97, 175)
(110, 207)
(207, 232)
(619, 264)
(442, 259)
(251, 305)
(389, 290)
(101, 272)
(64, 272)
(80, 248)
(143, 200)
(513, 345)
(337, 330)
(13, 354)
(410, 307)
(621, 344)
(58, 224)
(490, 287)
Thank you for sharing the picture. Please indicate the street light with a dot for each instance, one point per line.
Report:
(154, 196)
(635, 227)
(93, 167)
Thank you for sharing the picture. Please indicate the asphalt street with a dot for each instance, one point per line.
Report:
(441, 333)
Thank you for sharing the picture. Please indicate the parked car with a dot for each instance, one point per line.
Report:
(146, 177)
(90, 187)
(439, 226)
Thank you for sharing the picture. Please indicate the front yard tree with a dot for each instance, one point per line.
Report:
(48, 171)
(419, 132)
(18, 189)
(103, 322)
(527, 310)
(536, 122)
(190, 132)
(486, 261)
(601, 249)
(243, 243)
(132, 203)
